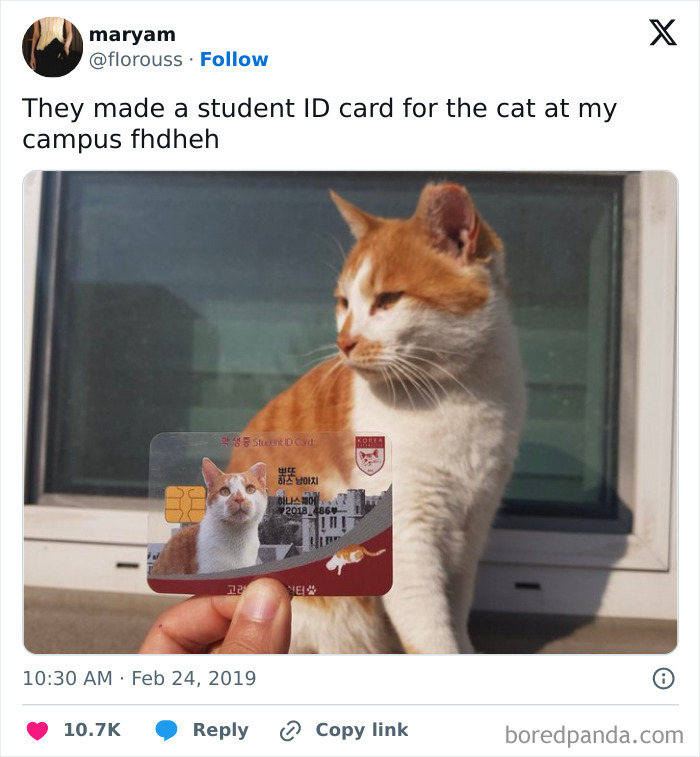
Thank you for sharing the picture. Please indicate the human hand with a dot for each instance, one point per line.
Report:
(66, 49)
(256, 622)
(32, 63)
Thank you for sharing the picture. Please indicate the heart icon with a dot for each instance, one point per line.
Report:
(37, 730)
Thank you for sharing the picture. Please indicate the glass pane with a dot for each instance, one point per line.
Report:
(185, 301)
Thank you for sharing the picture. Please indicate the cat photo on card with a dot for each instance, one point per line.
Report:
(270, 507)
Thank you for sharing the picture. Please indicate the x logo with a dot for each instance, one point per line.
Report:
(662, 31)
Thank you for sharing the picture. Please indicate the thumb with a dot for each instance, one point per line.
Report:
(261, 622)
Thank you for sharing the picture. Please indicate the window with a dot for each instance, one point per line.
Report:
(185, 301)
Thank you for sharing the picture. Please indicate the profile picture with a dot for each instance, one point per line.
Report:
(52, 46)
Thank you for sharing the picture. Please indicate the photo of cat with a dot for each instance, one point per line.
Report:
(426, 353)
(227, 537)
(509, 335)
(354, 554)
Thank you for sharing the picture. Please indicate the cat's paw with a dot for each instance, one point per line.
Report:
(310, 591)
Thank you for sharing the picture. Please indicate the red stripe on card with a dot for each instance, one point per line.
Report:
(371, 577)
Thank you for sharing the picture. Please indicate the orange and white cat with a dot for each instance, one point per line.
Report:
(428, 356)
(227, 538)
(348, 555)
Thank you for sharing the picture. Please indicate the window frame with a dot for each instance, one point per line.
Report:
(646, 404)
(646, 467)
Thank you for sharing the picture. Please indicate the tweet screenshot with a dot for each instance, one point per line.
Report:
(349, 385)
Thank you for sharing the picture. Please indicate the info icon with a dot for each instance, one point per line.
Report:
(663, 678)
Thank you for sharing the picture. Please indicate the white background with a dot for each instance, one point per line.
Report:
(347, 51)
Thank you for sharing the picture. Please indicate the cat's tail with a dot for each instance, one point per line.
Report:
(372, 554)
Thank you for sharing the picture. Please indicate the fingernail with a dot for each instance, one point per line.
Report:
(260, 602)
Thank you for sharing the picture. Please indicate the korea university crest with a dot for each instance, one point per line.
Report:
(370, 453)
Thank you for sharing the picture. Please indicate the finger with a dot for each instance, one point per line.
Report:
(261, 621)
(190, 627)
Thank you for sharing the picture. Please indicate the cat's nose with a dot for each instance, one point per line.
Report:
(347, 343)
(238, 498)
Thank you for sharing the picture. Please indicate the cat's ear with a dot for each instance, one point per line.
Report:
(259, 471)
(448, 214)
(210, 472)
(358, 221)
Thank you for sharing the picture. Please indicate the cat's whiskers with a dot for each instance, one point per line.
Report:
(413, 380)
(336, 366)
(400, 374)
(394, 376)
(420, 374)
(328, 346)
(443, 369)
(426, 380)
(415, 374)
(319, 360)
(332, 268)
(411, 374)
(438, 350)
(330, 350)
(333, 370)
(387, 380)
(338, 246)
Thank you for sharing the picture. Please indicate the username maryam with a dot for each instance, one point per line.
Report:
(132, 35)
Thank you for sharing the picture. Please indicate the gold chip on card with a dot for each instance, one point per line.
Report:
(185, 504)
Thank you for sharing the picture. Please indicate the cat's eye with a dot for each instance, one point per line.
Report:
(225, 491)
(385, 300)
(343, 302)
(250, 489)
